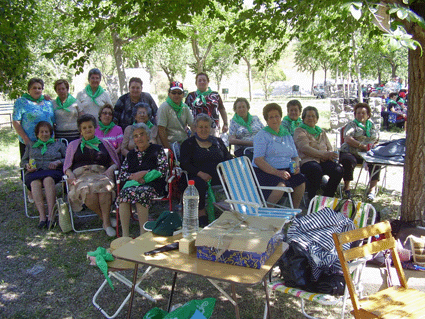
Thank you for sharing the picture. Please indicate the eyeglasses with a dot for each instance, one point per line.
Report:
(107, 113)
(176, 92)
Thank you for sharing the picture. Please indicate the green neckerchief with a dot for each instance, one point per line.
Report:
(68, 102)
(201, 96)
(44, 148)
(96, 94)
(106, 128)
(238, 119)
(312, 130)
(93, 143)
(282, 131)
(365, 128)
(29, 97)
(294, 124)
(177, 108)
(149, 124)
(102, 257)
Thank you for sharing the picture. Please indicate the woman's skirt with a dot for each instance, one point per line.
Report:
(266, 179)
(89, 180)
(41, 175)
(142, 194)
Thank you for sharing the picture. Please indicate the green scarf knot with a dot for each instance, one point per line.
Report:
(282, 131)
(293, 124)
(312, 130)
(149, 124)
(106, 128)
(366, 127)
(29, 97)
(68, 102)
(96, 94)
(177, 108)
(93, 143)
(238, 119)
(201, 96)
(44, 144)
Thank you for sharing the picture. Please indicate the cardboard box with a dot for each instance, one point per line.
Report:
(241, 240)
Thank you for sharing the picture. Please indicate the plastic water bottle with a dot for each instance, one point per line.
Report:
(190, 210)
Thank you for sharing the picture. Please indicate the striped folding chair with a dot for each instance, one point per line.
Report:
(365, 216)
(244, 193)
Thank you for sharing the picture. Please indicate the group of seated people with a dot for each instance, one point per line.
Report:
(293, 152)
(395, 110)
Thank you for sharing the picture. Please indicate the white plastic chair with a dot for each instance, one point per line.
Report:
(244, 193)
(366, 215)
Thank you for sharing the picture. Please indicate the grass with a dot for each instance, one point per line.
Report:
(65, 287)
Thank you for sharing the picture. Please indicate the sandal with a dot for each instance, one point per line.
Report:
(42, 224)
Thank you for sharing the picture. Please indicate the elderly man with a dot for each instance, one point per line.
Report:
(125, 108)
(174, 117)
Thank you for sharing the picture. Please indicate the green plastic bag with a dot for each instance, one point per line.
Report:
(211, 201)
(149, 177)
(205, 306)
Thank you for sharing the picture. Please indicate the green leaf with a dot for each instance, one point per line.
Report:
(355, 12)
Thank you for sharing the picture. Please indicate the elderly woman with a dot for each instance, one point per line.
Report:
(107, 129)
(93, 96)
(200, 155)
(292, 120)
(42, 162)
(142, 177)
(359, 136)
(125, 108)
(243, 126)
(89, 165)
(316, 154)
(174, 117)
(142, 116)
(30, 109)
(66, 112)
(206, 101)
(274, 149)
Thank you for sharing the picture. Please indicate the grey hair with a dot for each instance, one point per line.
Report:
(202, 117)
(95, 71)
(143, 126)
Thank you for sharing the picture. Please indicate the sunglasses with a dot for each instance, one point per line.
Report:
(176, 92)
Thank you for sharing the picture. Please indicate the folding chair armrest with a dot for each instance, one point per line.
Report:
(273, 188)
(252, 204)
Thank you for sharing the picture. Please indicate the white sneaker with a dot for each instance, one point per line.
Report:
(110, 231)
(113, 222)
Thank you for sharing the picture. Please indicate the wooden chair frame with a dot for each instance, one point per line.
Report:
(393, 302)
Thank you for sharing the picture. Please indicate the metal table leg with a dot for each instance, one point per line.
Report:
(267, 298)
(172, 292)
(236, 304)
(136, 268)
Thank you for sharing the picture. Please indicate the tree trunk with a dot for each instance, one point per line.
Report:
(265, 85)
(200, 60)
(413, 195)
(169, 74)
(117, 43)
(394, 67)
(312, 82)
(249, 75)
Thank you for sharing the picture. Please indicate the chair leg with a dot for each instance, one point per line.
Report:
(126, 282)
(303, 310)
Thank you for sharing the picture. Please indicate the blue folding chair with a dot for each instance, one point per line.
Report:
(244, 193)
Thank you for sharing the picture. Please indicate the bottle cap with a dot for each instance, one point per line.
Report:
(191, 182)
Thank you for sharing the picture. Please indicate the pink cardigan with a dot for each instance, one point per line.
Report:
(72, 148)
